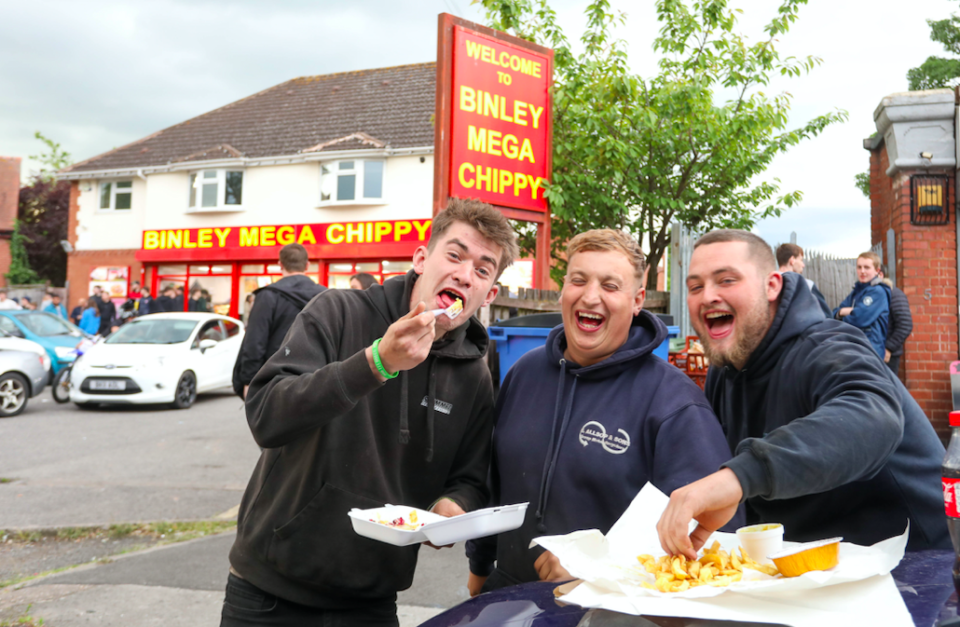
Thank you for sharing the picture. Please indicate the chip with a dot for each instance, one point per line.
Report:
(716, 568)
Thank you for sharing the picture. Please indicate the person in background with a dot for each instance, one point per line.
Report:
(145, 303)
(90, 321)
(27, 304)
(867, 307)
(826, 441)
(900, 327)
(46, 300)
(197, 302)
(178, 299)
(362, 281)
(108, 312)
(77, 311)
(167, 301)
(208, 300)
(135, 291)
(55, 307)
(790, 259)
(248, 307)
(584, 422)
(7, 303)
(276, 306)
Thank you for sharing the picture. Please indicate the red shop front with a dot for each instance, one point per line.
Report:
(228, 263)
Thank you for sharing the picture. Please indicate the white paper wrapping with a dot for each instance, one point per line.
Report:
(857, 591)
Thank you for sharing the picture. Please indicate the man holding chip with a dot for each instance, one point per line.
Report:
(826, 439)
(584, 422)
(372, 398)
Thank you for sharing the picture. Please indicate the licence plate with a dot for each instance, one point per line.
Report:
(108, 385)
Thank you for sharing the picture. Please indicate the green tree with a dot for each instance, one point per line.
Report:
(937, 72)
(640, 153)
(862, 181)
(20, 271)
(43, 215)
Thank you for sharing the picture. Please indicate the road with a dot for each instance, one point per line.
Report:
(65, 466)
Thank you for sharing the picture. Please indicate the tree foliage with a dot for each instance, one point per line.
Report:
(862, 181)
(20, 271)
(640, 153)
(937, 72)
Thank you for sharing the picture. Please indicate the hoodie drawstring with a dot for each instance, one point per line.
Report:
(404, 412)
(550, 463)
(431, 402)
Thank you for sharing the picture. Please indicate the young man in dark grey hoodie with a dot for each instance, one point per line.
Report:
(341, 430)
(826, 439)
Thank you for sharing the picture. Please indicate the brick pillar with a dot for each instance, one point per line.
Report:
(9, 204)
(927, 273)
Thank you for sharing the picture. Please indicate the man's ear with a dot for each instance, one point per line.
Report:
(491, 295)
(774, 286)
(419, 257)
(638, 299)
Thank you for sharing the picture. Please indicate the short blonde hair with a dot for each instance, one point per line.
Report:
(610, 239)
(872, 256)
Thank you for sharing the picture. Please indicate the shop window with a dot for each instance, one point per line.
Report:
(359, 181)
(116, 196)
(216, 190)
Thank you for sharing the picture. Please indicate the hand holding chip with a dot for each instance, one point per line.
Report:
(711, 501)
(407, 342)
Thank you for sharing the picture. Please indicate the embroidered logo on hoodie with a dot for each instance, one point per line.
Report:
(441, 406)
(594, 432)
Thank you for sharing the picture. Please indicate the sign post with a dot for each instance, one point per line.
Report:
(494, 126)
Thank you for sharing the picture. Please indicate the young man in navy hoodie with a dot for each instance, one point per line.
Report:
(826, 439)
(867, 306)
(585, 421)
(372, 398)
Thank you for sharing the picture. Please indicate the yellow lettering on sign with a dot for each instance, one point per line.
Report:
(491, 105)
(535, 113)
(381, 229)
(519, 182)
(422, 229)
(186, 240)
(335, 238)
(249, 236)
(526, 67)
(267, 236)
(222, 236)
(503, 111)
(483, 177)
(151, 240)
(526, 151)
(510, 146)
(519, 112)
(354, 230)
(493, 143)
(476, 50)
(534, 185)
(476, 138)
(401, 229)
(468, 98)
(479, 177)
(175, 239)
(306, 235)
(285, 235)
(465, 167)
(369, 232)
(506, 179)
(205, 238)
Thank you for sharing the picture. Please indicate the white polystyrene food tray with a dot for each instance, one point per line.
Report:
(436, 528)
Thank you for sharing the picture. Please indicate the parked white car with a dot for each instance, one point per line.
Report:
(11, 343)
(160, 358)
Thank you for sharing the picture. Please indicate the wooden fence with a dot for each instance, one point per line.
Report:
(833, 275)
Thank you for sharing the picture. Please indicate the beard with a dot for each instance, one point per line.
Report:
(751, 327)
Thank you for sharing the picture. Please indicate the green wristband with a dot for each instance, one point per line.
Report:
(378, 363)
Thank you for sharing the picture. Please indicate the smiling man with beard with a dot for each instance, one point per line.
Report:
(826, 439)
(584, 422)
(372, 398)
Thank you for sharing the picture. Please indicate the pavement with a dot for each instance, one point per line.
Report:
(69, 467)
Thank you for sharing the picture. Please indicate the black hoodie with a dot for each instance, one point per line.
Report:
(335, 438)
(827, 440)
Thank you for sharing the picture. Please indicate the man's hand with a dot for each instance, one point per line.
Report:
(846, 311)
(407, 341)
(886, 356)
(475, 584)
(245, 388)
(549, 568)
(446, 508)
(712, 501)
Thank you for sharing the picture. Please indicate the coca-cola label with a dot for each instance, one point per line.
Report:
(950, 496)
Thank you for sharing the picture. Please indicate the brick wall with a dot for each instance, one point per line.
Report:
(9, 204)
(927, 274)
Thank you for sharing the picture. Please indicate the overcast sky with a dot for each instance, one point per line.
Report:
(94, 75)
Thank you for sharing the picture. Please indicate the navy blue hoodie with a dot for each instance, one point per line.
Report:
(871, 311)
(828, 441)
(579, 443)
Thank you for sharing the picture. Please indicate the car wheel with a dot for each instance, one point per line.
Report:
(13, 394)
(87, 406)
(186, 392)
(61, 386)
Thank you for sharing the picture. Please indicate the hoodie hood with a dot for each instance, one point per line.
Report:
(297, 288)
(797, 310)
(647, 332)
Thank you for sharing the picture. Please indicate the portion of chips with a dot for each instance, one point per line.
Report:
(716, 568)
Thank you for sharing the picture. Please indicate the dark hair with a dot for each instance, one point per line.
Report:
(293, 258)
(145, 290)
(365, 280)
(759, 249)
(491, 224)
(785, 252)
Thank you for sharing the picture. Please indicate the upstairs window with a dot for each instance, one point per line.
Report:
(358, 182)
(216, 189)
(116, 196)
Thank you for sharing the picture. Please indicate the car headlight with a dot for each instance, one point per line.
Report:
(63, 352)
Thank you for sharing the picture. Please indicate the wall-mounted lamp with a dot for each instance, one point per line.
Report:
(926, 155)
(929, 195)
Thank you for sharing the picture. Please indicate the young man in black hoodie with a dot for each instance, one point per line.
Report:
(274, 309)
(584, 422)
(826, 439)
(372, 398)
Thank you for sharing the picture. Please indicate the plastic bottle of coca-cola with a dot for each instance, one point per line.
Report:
(951, 491)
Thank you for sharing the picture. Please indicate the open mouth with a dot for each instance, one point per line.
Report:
(447, 297)
(719, 323)
(589, 321)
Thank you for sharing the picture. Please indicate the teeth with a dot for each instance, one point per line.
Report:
(713, 315)
(592, 316)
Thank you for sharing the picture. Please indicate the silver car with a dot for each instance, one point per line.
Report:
(22, 376)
